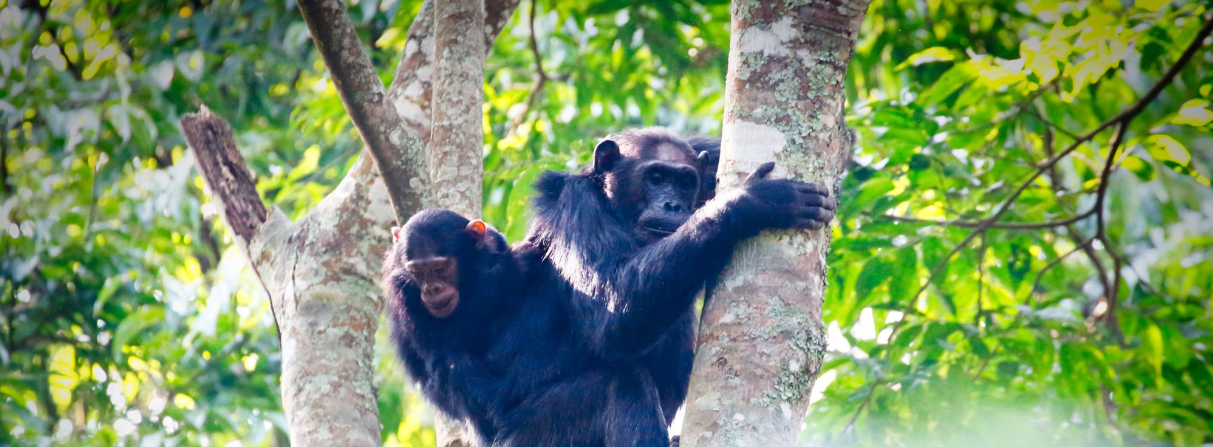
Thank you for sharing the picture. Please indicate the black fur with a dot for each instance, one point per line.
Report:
(430, 347)
(593, 346)
(631, 295)
(508, 359)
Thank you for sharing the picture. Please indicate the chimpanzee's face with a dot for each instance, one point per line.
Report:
(653, 182)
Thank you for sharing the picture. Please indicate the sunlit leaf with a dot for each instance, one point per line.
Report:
(1167, 148)
(1195, 112)
(929, 55)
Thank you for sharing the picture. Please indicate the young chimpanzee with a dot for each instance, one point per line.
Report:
(486, 350)
(625, 244)
(447, 283)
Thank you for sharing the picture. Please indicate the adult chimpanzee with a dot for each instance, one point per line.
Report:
(623, 243)
(446, 281)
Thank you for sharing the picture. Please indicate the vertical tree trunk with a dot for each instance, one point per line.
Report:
(457, 135)
(762, 338)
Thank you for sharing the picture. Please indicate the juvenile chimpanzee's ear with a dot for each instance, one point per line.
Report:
(395, 233)
(606, 154)
(477, 228)
(703, 156)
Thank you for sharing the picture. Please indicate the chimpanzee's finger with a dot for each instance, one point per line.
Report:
(813, 188)
(762, 171)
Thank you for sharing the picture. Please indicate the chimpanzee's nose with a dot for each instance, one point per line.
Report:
(674, 207)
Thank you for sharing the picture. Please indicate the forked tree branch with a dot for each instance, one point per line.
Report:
(398, 149)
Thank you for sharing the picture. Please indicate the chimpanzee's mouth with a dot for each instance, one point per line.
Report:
(441, 306)
(659, 231)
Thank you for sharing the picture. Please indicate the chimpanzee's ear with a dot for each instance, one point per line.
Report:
(395, 234)
(477, 229)
(606, 154)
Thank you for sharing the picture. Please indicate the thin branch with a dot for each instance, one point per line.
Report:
(1112, 291)
(397, 149)
(1014, 111)
(996, 225)
(993, 352)
(8, 189)
(1054, 262)
(92, 206)
(1053, 126)
(862, 406)
(981, 276)
(541, 76)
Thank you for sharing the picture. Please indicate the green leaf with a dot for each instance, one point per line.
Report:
(949, 83)
(872, 190)
(1151, 5)
(1165, 148)
(1195, 112)
(929, 55)
(875, 272)
(132, 325)
(1139, 167)
(107, 291)
(1152, 348)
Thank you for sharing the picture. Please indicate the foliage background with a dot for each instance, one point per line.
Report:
(127, 317)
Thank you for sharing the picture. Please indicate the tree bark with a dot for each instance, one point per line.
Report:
(762, 339)
(322, 272)
(396, 148)
(457, 136)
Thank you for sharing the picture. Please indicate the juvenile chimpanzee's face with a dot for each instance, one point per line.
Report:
(436, 246)
(652, 179)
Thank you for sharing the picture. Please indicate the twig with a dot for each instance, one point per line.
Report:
(8, 189)
(996, 225)
(981, 275)
(541, 76)
(1053, 263)
(863, 405)
(1052, 125)
(1112, 290)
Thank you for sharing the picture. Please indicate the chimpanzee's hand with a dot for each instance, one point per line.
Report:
(779, 204)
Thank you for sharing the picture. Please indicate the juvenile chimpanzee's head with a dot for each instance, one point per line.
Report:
(651, 177)
(434, 251)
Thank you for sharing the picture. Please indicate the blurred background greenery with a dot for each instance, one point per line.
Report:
(127, 317)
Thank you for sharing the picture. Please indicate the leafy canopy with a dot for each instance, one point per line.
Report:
(126, 315)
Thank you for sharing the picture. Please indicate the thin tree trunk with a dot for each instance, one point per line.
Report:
(762, 339)
(457, 136)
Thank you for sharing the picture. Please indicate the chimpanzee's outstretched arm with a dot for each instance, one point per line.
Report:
(648, 288)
